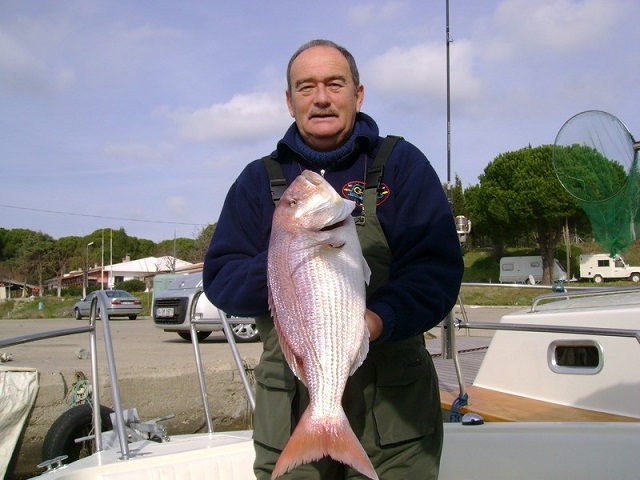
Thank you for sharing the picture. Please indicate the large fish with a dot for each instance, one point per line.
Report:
(316, 278)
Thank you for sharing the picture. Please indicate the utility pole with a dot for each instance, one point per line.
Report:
(448, 42)
(86, 272)
(102, 267)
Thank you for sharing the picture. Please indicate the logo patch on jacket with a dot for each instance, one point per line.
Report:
(354, 190)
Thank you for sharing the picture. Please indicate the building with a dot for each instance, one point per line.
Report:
(143, 269)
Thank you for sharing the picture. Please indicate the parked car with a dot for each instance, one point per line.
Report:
(121, 304)
(171, 307)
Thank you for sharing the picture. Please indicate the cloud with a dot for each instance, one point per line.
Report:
(556, 26)
(139, 150)
(246, 117)
(366, 15)
(177, 206)
(420, 71)
(24, 72)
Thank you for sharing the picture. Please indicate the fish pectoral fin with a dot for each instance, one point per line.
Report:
(366, 271)
(362, 354)
(295, 362)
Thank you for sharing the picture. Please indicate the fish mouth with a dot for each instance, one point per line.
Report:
(335, 225)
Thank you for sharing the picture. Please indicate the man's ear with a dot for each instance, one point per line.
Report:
(359, 97)
(289, 104)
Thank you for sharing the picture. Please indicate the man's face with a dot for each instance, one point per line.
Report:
(323, 98)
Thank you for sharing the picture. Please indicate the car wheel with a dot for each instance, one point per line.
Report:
(598, 279)
(133, 317)
(245, 332)
(98, 317)
(77, 314)
(635, 277)
(75, 422)
(187, 336)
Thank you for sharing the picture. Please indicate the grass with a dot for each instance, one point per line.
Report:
(52, 307)
(500, 296)
(480, 267)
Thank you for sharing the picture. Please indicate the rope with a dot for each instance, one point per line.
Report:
(80, 391)
(454, 415)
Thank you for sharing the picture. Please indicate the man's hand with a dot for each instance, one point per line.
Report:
(374, 324)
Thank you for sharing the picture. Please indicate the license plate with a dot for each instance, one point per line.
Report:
(164, 312)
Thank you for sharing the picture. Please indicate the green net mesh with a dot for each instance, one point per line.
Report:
(596, 160)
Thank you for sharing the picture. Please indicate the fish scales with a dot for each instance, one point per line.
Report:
(316, 279)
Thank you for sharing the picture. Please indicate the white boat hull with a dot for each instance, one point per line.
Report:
(519, 450)
(215, 456)
(491, 451)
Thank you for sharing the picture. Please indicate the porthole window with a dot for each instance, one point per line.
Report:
(579, 357)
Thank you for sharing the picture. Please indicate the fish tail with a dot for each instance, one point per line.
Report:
(312, 440)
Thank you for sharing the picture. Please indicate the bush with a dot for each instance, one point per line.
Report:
(72, 292)
(131, 286)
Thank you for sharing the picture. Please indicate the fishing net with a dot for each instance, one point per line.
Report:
(596, 160)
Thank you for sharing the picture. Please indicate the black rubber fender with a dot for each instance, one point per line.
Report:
(74, 422)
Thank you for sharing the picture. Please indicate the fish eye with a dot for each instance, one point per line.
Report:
(293, 202)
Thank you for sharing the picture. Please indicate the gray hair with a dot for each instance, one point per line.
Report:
(355, 76)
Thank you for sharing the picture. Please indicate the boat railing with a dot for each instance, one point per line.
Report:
(592, 292)
(99, 308)
(226, 325)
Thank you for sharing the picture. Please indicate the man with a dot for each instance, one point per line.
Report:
(408, 237)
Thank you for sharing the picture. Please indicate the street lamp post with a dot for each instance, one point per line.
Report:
(86, 272)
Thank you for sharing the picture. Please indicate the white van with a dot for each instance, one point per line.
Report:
(171, 307)
(600, 266)
(523, 269)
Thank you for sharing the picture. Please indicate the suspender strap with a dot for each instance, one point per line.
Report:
(374, 174)
(277, 182)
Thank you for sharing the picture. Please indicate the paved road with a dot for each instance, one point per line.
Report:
(136, 342)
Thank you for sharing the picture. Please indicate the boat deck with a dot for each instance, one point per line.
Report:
(471, 351)
(496, 406)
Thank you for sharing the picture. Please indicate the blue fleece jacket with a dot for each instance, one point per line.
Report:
(426, 269)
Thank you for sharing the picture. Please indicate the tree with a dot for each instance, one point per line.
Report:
(182, 248)
(62, 256)
(519, 194)
(458, 201)
(33, 258)
(203, 240)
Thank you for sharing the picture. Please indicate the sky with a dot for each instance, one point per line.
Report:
(140, 114)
